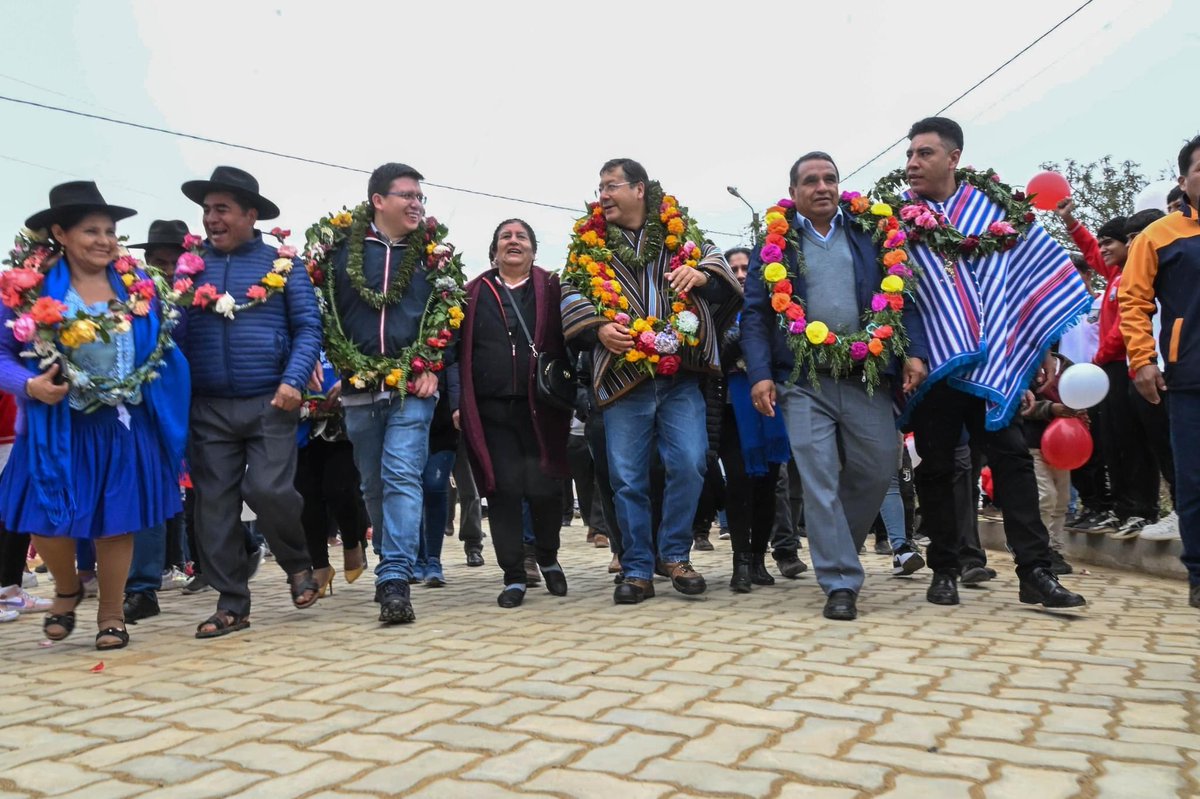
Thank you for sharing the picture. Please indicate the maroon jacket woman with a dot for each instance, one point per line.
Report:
(517, 444)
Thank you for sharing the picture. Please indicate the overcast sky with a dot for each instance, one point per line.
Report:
(527, 99)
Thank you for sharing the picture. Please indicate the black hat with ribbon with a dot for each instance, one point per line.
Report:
(236, 181)
(78, 195)
(163, 233)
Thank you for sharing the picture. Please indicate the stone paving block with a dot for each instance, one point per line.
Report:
(51, 777)
(516, 767)
(396, 780)
(907, 728)
(164, 769)
(795, 790)
(1093, 744)
(1081, 720)
(1016, 782)
(315, 777)
(625, 754)
(590, 784)
(103, 756)
(819, 736)
(272, 757)
(213, 785)
(836, 710)
(39, 743)
(457, 789)
(819, 769)
(912, 786)
(1022, 755)
(589, 705)
(710, 777)
(1164, 717)
(382, 748)
(465, 736)
(724, 744)
(566, 729)
(1000, 726)
(907, 758)
(657, 721)
(405, 723)
(1137, 781)
(670, 698)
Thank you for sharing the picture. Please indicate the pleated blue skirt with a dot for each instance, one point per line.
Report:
(121, 481)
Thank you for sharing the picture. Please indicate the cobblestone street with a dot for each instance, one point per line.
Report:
(722, 695)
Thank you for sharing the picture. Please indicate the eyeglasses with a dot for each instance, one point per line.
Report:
(408, 196)
(609, 188)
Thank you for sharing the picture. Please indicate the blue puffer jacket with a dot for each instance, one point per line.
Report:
(276, 342)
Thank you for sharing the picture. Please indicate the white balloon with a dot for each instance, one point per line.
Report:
(1082, 386)
(1154, 196)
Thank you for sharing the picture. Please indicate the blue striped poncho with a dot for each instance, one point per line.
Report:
(989, 320)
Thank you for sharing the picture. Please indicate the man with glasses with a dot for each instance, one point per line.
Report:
(390, 433)
(641, 411)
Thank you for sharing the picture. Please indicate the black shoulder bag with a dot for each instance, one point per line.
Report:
(555, 376)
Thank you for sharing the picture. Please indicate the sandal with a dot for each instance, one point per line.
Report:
(64, 620)
(122, 637)
(302, 583)
(223, 623)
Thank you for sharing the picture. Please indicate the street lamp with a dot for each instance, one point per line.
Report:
(754, 223)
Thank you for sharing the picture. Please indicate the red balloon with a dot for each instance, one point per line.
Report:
(1046, 189)
(1066, 444)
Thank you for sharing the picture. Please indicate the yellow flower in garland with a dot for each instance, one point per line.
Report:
(78, 333)
(393, 378)
(590, 239)
(881, 209)
(456, 316)
(817, 332)
(128, 279)
(343, 219)
(675, 226)
(274, 280)
(775, 272)
(892, 284)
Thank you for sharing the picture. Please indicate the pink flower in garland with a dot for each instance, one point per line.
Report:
(646, 341)
(668, 365)
(286, 251)
(1001, 228)
(191, 241)
(895, 239)
(183, 285)
(899, 270)
(797, 327)
(858, 351)
(189, 264)
(847, 196)
(926, 220)
(257, 293)
(770, 254)
(621, 319)
(24, 328)
(878, 303)
(787, 205)
(911, 212)
(205, 295)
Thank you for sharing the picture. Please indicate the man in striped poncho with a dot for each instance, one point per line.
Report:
(641, 411)
(989, 322)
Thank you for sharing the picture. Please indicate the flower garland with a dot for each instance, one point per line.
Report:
(812, 343)
(656, 342)
(190, 265)
(443, 311)
(42, 323)
(925, 225)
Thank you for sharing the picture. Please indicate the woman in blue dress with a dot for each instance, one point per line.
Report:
(103, 399)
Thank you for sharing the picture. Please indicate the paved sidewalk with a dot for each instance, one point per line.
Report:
(729, 695)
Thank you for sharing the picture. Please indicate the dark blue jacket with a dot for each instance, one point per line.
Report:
(392, 328)
(272, 343)
(764, 340)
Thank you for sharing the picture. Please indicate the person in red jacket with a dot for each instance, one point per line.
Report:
(1127, 457)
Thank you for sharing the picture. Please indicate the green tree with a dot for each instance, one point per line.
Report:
(1102, 189)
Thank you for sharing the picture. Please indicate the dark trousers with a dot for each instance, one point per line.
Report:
(583, 474)
(244, 450)
(1184, 409)
(464, 494)
(13, 549)
(512, 445)
(968, 463)
(749, 501)
(593, 431)
(789, 513)
(330, 486)
(1127, 454)
(937, 426)
(1156, 431)
(712, 500)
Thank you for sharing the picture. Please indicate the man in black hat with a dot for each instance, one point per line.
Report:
(249, 366)
(164, 244)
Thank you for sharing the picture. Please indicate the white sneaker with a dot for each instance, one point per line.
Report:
(1130, 528)
(1165, 529)
(29, 580)
(172, 579)
(8, 615)
(18, 599)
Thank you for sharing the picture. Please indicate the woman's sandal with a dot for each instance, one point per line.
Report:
(223, 623)
(302, 583)
(122, 637)
(64, 620)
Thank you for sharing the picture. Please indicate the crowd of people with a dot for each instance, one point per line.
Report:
(338, 389)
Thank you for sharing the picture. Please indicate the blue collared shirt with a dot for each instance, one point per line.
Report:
(803, 224)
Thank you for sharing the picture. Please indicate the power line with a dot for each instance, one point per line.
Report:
(290, 157)
(978, 83)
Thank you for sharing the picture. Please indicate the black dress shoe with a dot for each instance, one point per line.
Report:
(139, 606)
(942, 589)
(510, 598)
(1041, 587)
(841, 605)
(556, 581)
(758, 571)
(474, 557)
(790, 565)
(1194, 596)
(740, 582)
(974, 575)
(700, 543)
(632, 591)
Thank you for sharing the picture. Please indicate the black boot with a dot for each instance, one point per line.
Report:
(740, 582)
(758, 570)
(1041, 587)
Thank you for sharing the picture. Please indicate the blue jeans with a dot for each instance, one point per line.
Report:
(671, 412)
(149, 555)
(435, 484)
(1183, 408)
(893, 514)
(391, 445)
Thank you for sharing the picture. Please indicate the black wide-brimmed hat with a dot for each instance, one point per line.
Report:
(236, 181)
(163, 233)
(74, 196)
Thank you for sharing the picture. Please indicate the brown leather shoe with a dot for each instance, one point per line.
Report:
(600, 541)
(615, 566)
(684, 578)
(632, 591)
